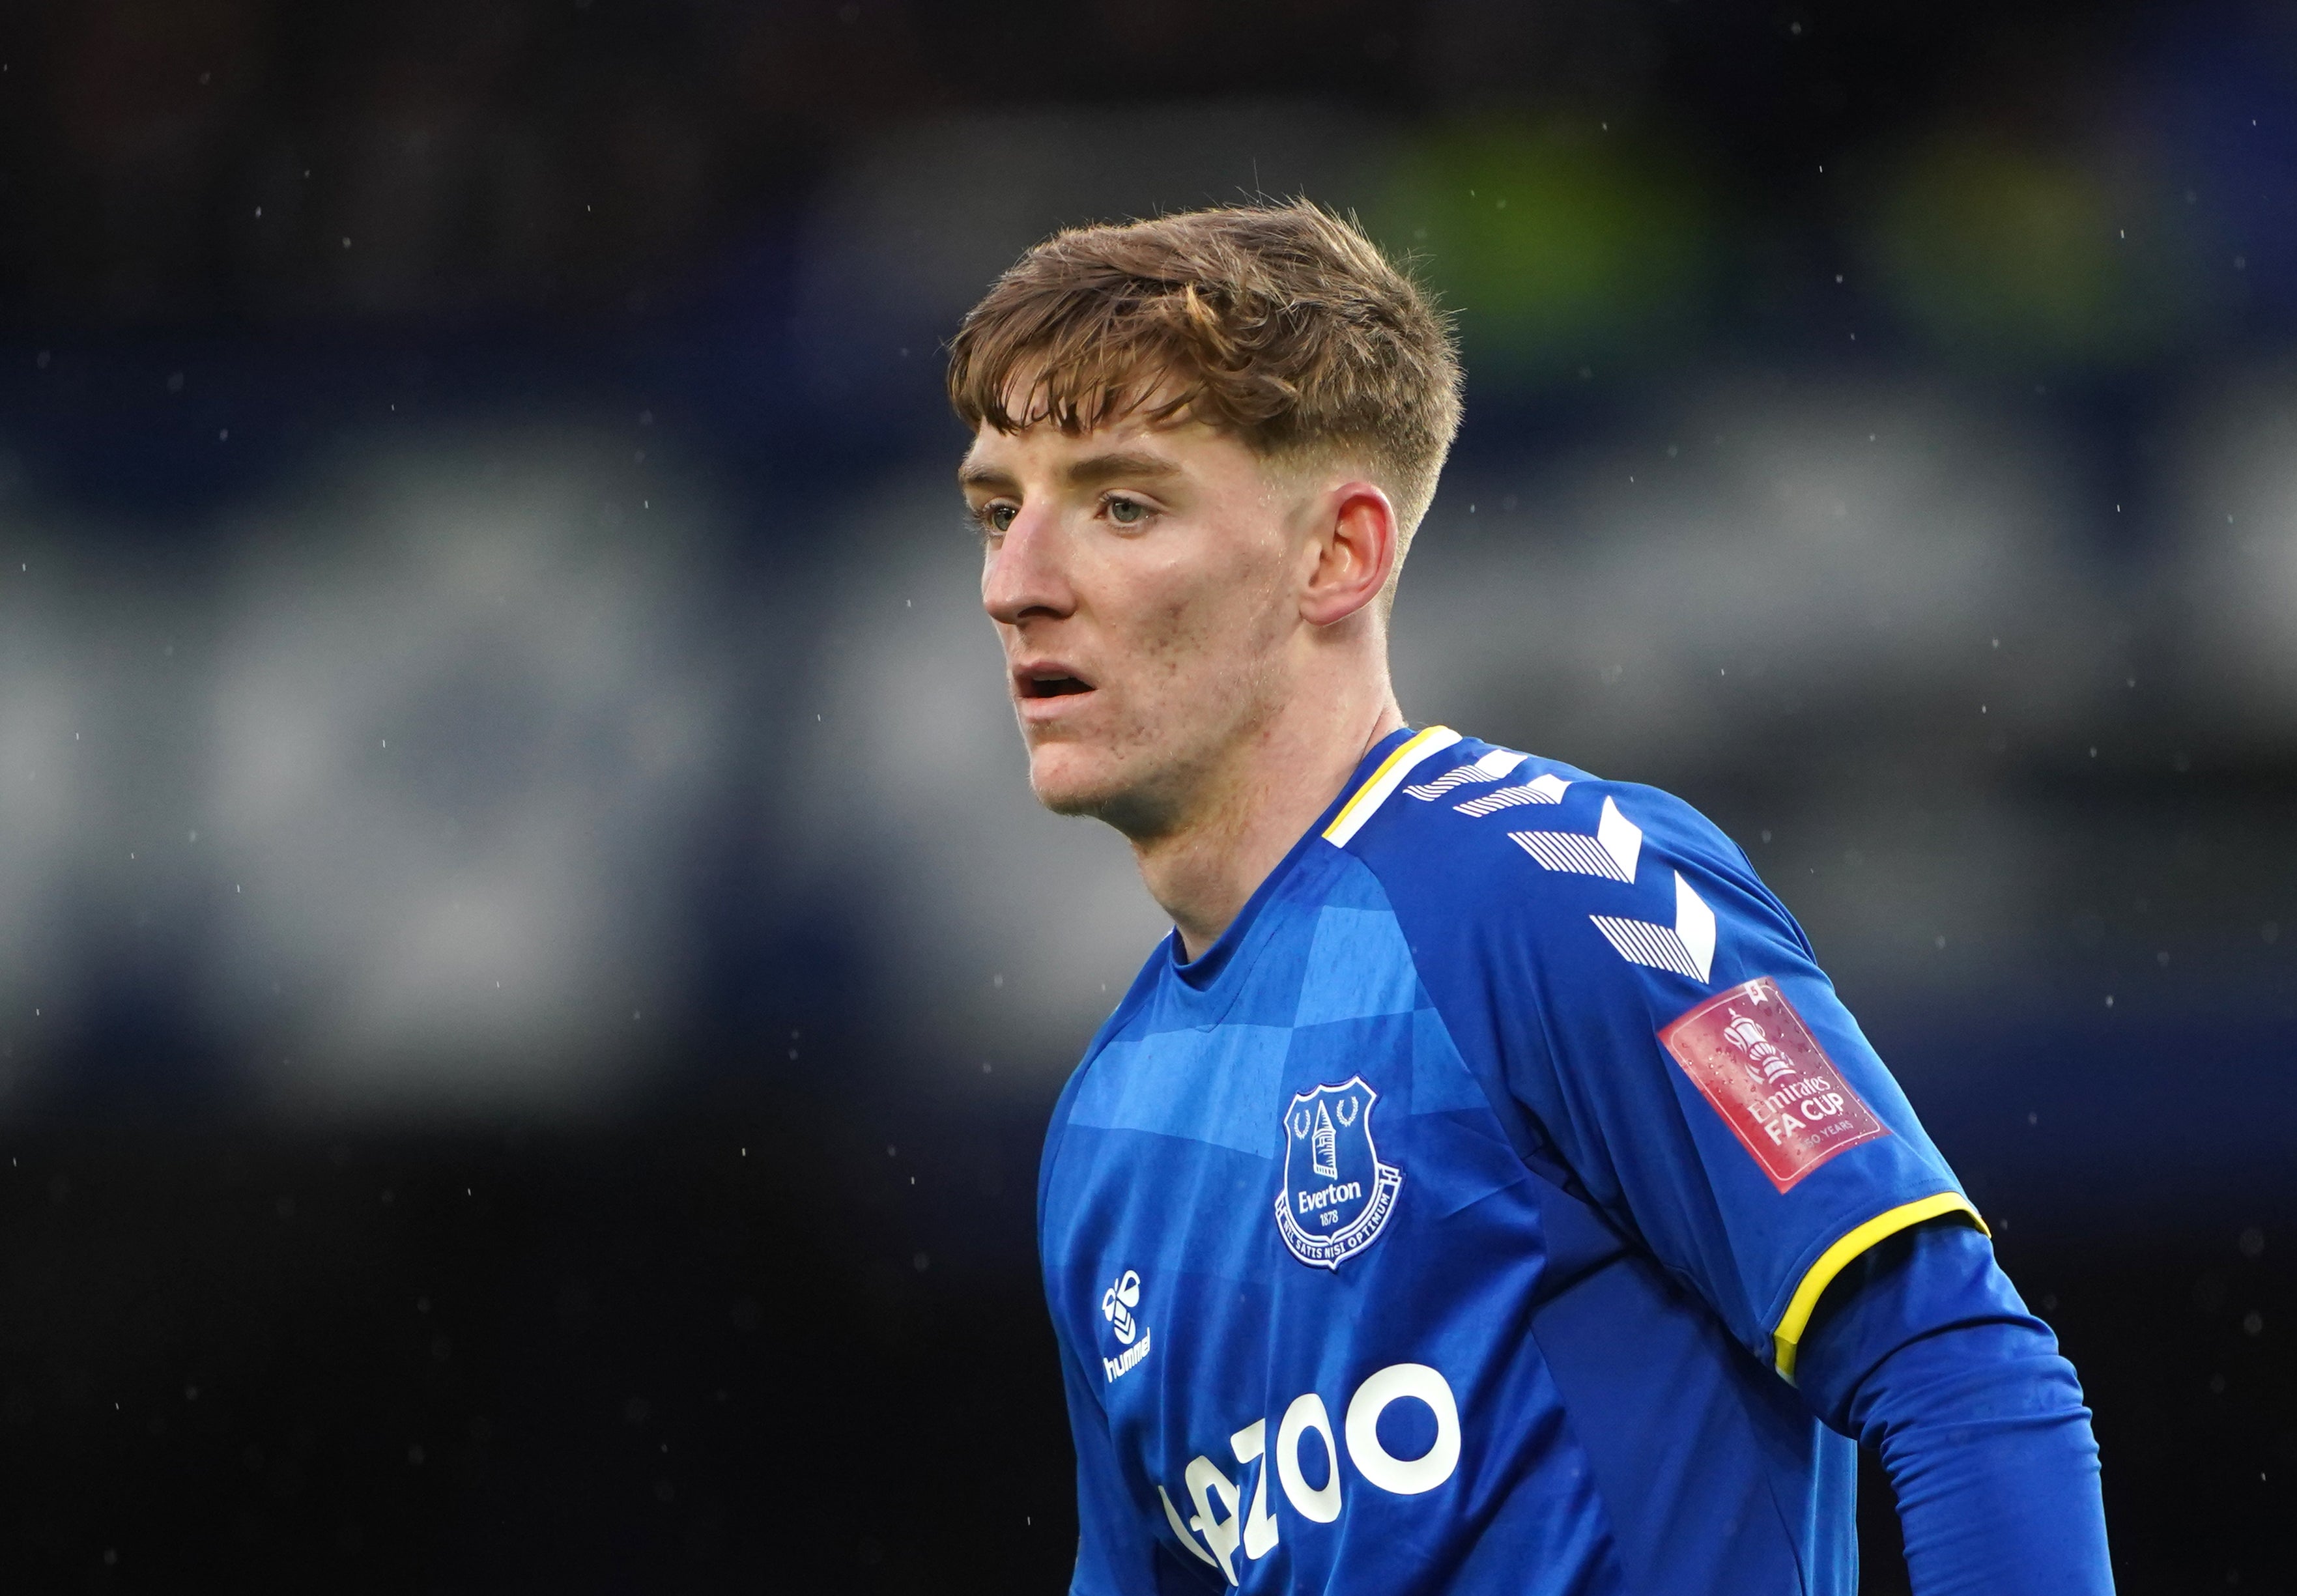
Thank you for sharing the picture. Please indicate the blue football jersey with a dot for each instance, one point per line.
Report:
(1450, 1224)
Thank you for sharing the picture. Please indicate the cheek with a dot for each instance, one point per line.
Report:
(1188, 628)
(1232, 609)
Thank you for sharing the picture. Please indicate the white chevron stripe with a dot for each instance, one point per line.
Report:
(1610, 853)
(1686, 948)
(1539, 789)
(1570, 851)
(1638, 941)
(1621, 838)
(1494, 765)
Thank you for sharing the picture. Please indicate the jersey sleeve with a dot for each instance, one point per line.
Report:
(1693, 1068)
(1924, 1351)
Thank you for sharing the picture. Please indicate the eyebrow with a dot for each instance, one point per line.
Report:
(1088, 473)
(1096, 469)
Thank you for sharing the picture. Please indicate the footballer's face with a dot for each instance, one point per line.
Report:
(1142, 577)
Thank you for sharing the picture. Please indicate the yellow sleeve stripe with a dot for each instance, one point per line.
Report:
(1837, 1258)
(1385, 780)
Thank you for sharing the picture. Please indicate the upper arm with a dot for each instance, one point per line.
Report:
(1691, 1064)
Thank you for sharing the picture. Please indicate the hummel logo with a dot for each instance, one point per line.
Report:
(1116, 1305)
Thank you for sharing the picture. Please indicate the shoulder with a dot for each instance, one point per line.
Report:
(1527, 879)
(1495, 838)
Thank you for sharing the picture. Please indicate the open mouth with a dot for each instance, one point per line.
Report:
(1052, 686)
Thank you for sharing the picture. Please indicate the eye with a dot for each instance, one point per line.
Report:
(997, 518)
(1126, 512)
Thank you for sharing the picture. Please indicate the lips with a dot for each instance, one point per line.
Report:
(1051, 680)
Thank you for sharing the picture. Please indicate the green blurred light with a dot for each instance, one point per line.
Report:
(1556, 247)
(2010, 256)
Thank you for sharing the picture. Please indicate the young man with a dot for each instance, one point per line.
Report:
(1483, 1190)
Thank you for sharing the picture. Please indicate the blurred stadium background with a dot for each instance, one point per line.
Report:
(530, 979)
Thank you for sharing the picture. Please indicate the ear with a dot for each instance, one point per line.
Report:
(1354, 546)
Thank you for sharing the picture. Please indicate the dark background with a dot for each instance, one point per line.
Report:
(530, 981)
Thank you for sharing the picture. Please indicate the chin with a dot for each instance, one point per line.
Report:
(1069, 779)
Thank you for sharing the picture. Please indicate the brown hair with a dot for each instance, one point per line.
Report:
(1283, 324)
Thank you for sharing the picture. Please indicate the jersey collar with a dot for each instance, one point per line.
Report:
(1383, 765)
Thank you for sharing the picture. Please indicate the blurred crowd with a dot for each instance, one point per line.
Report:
(485, 621)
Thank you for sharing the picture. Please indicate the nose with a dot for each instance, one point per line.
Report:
(1024, 576)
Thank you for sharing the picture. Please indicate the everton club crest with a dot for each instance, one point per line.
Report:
(1337, 1192)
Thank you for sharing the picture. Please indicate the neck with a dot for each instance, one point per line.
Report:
(1249, 813)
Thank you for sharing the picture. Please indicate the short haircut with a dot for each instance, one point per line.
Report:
(1281, 325)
